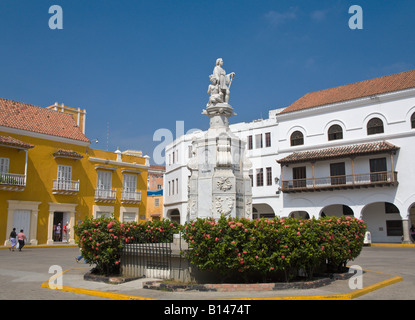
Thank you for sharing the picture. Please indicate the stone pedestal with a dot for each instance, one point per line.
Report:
(219, 183)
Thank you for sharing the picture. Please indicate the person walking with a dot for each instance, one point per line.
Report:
(58, 232)
(21, 237)
(13, 241)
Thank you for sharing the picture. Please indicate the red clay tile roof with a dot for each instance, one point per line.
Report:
(339, 152)
(367, 88)
(23, 116)
(13, 142)
(67, 154)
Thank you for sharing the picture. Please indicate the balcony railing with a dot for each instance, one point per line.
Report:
(65, 186)
(12, 181)
(130, 196)
(105, 195)
(384, 178)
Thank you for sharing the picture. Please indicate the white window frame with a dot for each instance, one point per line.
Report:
(4, 165)
(129, 182)
(104, 180)
(64, 173)
(258, 141)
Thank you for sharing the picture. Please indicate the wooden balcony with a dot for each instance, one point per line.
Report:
(130, 197)
(67, 187)
(104, 195)
(365, 180)
(12, 181)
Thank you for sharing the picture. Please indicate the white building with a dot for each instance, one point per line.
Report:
(350, 150)
(344, 150)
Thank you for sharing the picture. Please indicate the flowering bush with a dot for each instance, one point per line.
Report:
(151, 231)
(101, 239)
(343, 240)
(268, 246)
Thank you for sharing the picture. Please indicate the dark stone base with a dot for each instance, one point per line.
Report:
(112, 279)
(239, 287)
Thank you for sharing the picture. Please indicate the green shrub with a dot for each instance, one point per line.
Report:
(151, 231)
(102, 239)
(268, 246)
(343, 240)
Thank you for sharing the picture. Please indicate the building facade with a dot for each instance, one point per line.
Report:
(349, 150)
(50, 177)
(341, 151)
(155, 192)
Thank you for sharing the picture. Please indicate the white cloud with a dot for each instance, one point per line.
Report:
(277, 18)
(318, 15)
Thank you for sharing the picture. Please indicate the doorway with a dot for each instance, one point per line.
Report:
(60, 233)
(299, 177)
(57, 226)
(378, 170)
(21, 221)
(338, 173)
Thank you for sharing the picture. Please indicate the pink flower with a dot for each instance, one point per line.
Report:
(298, 233)
(244, 252)
(256, 257)
(283, 257)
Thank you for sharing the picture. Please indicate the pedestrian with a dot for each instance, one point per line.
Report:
(58, 232)
(13, 240)
(65, 232)
(413, 232)
(21, 237)
(80, 257)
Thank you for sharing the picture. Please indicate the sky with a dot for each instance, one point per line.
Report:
(141, 66)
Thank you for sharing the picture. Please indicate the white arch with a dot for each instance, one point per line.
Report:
(296, 128)
(332, 123)
(376, 115)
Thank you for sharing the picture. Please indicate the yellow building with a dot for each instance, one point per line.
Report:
(155, 192)
(50, 176)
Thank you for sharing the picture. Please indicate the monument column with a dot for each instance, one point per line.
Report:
(219, 184)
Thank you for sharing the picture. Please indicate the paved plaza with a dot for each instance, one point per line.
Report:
(387, 274)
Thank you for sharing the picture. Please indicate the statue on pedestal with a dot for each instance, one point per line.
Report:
(219, 184)
(221, 83)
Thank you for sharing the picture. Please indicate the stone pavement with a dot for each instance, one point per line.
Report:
(27, 275)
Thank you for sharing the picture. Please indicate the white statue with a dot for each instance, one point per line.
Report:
(216, 96)
(224, 80)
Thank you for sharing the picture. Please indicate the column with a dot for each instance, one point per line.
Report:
(50, 227)
(406, 237)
